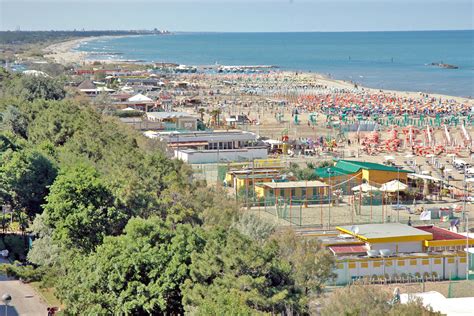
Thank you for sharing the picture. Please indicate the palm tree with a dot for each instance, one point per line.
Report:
(201, 112)
(216, 116)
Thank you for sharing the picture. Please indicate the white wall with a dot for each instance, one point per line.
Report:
(448, 267)
(404, 247)
(212, 156)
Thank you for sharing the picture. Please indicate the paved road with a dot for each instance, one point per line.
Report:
(25, 301)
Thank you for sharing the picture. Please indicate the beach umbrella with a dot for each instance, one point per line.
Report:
(393, 186)
(364, 187)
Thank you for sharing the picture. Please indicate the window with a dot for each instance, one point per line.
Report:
(303, 193)
(437, 261)
(462, 260)
(340, 266)
(401, 263)
(413, 262)
(425, 262)
(450, 260)
(282, 192)
(271, 193)
(377, 264)
(352, 265)
(364, 264)
(388, 263)
(293, 192)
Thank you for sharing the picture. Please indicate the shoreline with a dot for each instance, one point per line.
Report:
(65, 53)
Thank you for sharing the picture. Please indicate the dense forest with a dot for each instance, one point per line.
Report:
(121, 229)
(32, 37)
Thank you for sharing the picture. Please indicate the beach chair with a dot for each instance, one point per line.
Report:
(381, 279)
(396, 278)
(435, 276)
(366, 280)
(426, 276)
(373, 279)
(387, 277)
(404, 278)
(417, 277)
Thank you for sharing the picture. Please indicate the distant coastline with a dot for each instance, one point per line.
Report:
(66, 53)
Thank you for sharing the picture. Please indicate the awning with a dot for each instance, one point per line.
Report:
(422, 176)
(365, 187)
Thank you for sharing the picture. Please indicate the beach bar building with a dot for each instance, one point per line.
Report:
(349, 173)
(394, 252)
(202, 147)
(294, 191)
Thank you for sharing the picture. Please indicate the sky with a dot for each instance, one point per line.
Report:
(238, 15)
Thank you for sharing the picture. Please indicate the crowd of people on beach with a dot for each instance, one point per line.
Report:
(367, 104)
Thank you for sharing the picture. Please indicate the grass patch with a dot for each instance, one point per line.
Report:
(48, 294)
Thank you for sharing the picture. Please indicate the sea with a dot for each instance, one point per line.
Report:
(383, 60)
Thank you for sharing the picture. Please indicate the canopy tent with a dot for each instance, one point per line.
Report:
(424, 177)
(140, 98)
(393, 186)
(131, 109)
(365, 187)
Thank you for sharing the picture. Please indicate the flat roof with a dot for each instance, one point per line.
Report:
(250, 171)
(441, 233)
(444, 238)
(295, 184)
(348, 249)
(388, 232)
(168, 115)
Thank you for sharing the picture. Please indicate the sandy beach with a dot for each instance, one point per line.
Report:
(66, 53)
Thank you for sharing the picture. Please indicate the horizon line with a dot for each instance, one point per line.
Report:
(183, 31)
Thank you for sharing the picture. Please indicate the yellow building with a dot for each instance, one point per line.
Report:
(292, 190)
(374, 173)
(239, 179)
(394, 252)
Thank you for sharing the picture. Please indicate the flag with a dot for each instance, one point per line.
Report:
(425, 216)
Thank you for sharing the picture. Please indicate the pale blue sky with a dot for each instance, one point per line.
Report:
(238, 15)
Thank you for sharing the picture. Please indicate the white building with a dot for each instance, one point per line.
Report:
(211, 147)
(394, 252)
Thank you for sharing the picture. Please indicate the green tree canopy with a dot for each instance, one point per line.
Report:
(81, 208)
(137, 273)
(24, 179)
(232, 268)
(370, 301)
(35, 87)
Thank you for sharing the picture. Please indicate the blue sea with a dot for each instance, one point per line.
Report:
(388, 60)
